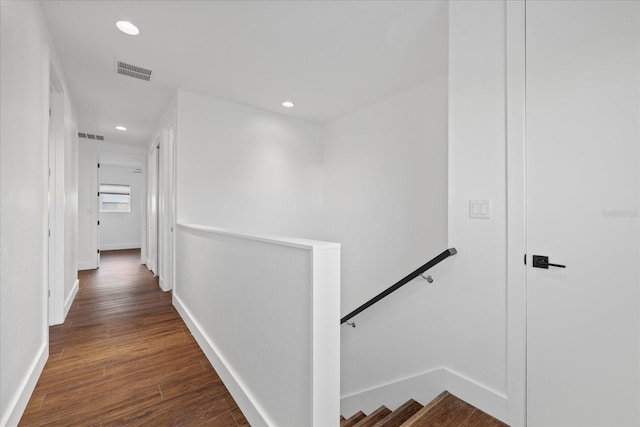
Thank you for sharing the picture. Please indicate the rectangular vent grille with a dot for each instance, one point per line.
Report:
(133, 71)
(90, 136)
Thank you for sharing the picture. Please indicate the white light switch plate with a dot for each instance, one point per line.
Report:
(480, 209)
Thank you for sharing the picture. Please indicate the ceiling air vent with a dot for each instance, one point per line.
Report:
(90, 136)
(133, 71)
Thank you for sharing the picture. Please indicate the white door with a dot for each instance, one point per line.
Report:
(583, 191)
(160, 216)
(51, 250)
(153, 211)
(98, 216)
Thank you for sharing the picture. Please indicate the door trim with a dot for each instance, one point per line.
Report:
(56, 224)
(516, 213)
(96, 156)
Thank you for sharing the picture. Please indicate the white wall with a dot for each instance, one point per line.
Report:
(122, 230)
(385, 191)
(386, 203)
(477, 170)
(266, 317)
(451, 334)
(243, 168)
(88, 156)
(25, 51)
(87, 203)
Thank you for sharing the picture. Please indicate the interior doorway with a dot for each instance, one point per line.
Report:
(161, 208)
(121, 191)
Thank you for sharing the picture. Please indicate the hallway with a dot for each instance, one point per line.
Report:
(125, 357)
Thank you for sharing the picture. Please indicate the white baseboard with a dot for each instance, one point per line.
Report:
(71, 297)
(482, 397)
(119, 246)
(18, 403)
(424, 388)
(87, 265)
(254, 414)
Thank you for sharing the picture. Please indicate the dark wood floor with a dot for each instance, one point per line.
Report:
(125, 357)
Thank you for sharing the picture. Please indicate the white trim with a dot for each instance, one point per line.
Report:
(87, 265)
(19, 402)
(276, 240)
(482, 397)
(56, 206)
(325, 333)
(251, 410)
(120, 246)
(423, 388)
(516, 214)
(163, 284)
(72, 296)
(95, 209)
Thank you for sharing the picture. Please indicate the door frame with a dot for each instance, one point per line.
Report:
(515, 65)
(516, 213)
(162, 182)
(95, 184)
(56, 154)
(151, 259)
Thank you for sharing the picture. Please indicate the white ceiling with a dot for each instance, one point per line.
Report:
(329, 57)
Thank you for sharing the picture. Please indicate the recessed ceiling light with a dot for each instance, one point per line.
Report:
(121, 128)
(127, 28)
(288, 104)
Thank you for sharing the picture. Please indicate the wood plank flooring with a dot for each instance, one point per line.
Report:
(125, 357)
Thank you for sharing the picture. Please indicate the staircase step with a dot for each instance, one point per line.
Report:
(371, 419)
(445, 410)
(400, 415)
(482, 419)
(353, 420)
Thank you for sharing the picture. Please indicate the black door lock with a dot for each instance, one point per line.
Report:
(541, 261)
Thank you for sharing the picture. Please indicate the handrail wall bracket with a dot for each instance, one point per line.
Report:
(429, 279)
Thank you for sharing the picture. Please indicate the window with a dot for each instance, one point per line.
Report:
(115, 198)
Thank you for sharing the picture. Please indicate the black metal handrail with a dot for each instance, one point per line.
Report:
(441, 257)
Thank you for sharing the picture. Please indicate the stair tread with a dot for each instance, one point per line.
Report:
(353, 420)
(400, 415)
(482, 419)
(444, 410)
(371, 419)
